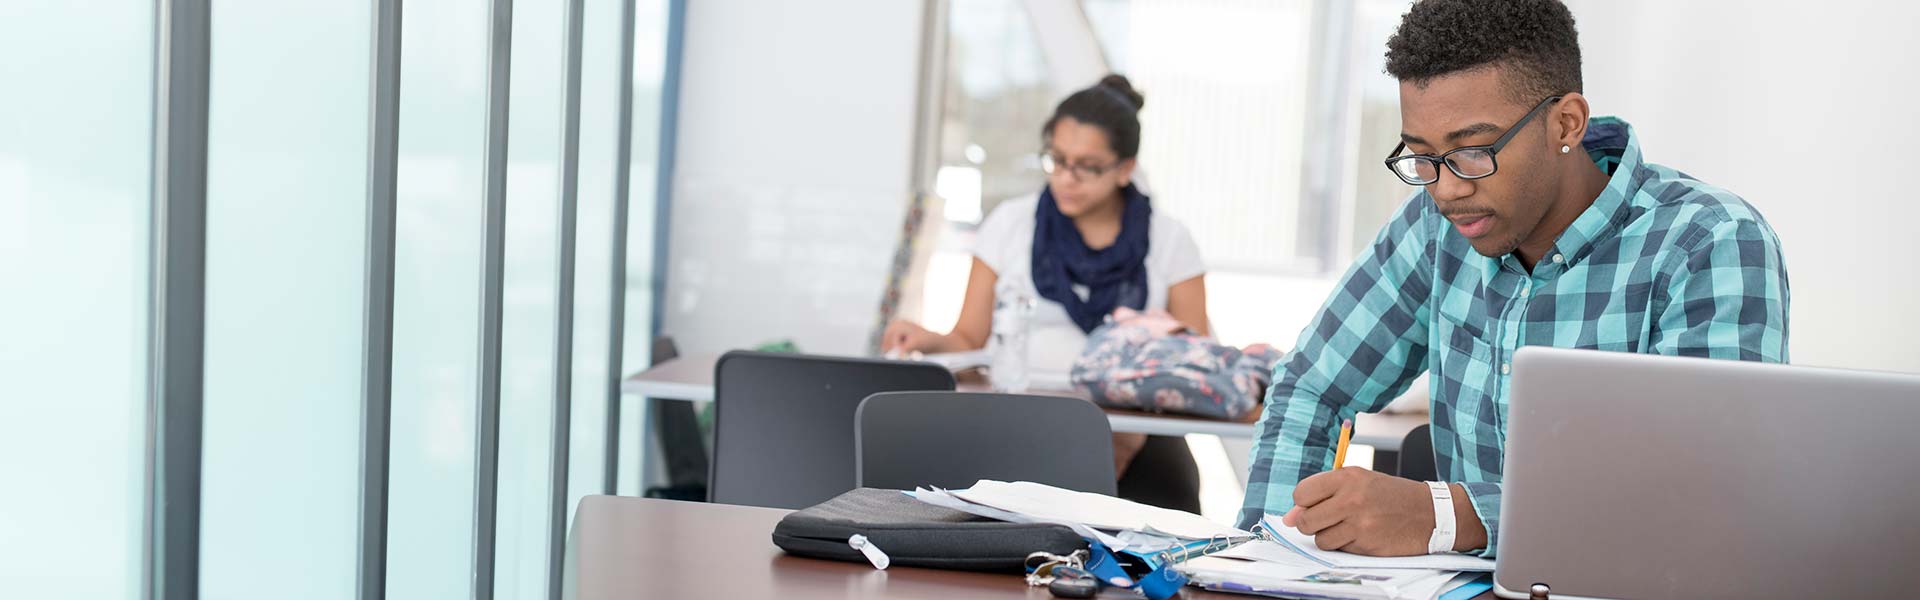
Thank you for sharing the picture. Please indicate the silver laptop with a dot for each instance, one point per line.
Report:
(1635, 476)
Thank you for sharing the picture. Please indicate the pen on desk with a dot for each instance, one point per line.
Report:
(1340, 452)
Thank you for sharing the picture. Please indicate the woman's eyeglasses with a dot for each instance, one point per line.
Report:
(1082, 172)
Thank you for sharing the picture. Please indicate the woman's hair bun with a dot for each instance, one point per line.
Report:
(1119, 83)
(1111, 105)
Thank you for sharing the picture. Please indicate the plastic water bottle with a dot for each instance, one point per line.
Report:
(1011, 315)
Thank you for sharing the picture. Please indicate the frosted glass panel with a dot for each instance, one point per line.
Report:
(287, 157)
(443, 79)
(649, 76)
(74, 198)
(529, 312)
(287, 177)
(599, 121)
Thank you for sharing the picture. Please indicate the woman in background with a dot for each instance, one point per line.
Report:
(1087, 244)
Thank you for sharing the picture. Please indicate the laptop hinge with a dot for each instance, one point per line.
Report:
(1539, 591)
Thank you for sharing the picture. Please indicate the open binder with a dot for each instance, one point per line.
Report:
(1271, 560)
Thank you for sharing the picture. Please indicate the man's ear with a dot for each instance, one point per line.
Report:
(1569, 119)
(1126, 171)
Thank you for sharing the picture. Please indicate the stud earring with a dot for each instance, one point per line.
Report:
(1565, 148)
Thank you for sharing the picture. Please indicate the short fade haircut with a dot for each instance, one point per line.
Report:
(1534, 39)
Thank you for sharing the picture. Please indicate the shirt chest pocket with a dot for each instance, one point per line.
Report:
(1464, 374)
(1462, 362)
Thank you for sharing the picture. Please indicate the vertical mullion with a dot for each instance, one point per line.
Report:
(669, 134)
(383, 157)
(663, 180)
(1329, 128)
(177, 334)
(616, 326)
(493, 240)
(563, 327)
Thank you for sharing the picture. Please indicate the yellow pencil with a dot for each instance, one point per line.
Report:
(1340, 453)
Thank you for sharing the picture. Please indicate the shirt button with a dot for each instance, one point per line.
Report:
(1524, 292)
(1559, 259)
(1506, 368)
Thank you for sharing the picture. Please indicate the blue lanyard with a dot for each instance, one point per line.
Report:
(1151, 573)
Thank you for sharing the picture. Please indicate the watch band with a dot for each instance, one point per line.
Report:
(1443, 521)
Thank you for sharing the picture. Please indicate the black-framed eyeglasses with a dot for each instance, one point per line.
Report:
(1080, 172)
(1467, 162)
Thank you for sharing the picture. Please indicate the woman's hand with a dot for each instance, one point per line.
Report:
(907, 336)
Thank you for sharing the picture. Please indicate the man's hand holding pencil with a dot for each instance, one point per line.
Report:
(1360, 511)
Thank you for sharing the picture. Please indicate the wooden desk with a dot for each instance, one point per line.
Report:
(641, 548)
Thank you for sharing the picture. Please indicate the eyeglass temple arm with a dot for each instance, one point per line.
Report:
(1515, 130)
(1497, 144)
(1396, 151)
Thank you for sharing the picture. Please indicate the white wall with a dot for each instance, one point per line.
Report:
(1805, 109)
(796, 134)
(793, 172)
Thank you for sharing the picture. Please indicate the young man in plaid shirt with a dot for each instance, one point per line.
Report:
(1537, 224)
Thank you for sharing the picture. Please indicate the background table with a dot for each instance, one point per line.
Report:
(691, 378)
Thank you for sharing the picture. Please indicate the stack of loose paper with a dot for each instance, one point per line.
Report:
(1120, 524)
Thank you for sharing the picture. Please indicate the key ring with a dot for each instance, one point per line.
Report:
(1043, 566)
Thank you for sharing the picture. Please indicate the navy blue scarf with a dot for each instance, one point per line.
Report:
(1115, 276)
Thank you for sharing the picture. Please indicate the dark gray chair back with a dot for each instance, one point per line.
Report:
(783, 423)
(951, 440)
(1416, 455)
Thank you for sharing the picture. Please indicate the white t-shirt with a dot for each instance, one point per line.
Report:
(1005, 243)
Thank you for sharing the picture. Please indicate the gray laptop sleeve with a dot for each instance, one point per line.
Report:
(916, 534)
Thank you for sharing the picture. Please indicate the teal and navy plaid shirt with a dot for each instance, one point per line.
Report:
(1661, 263)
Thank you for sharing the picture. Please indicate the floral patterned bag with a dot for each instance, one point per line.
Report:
(1136, 362)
